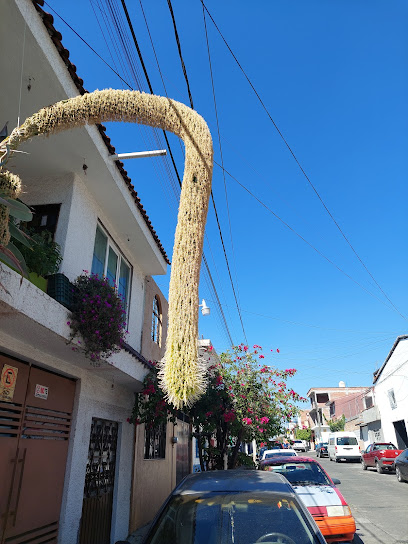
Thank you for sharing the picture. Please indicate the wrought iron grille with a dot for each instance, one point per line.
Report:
(100, 468)
(155, 442)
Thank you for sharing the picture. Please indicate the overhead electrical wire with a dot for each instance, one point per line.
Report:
(168, 144)
(212, 194)
(298, 163)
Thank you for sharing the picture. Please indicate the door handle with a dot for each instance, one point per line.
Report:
(20, 483)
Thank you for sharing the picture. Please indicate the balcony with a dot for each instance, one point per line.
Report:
(370, 415)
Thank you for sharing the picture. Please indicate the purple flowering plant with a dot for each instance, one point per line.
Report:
(98, 317)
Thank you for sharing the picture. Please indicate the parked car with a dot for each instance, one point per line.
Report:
(319, 494)
(241, 506)
(401, 466)
(271, 453)
(381, 456)
(300, 445)
(322, 449)
(343, 445)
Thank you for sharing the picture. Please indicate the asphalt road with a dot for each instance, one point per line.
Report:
(379, 503)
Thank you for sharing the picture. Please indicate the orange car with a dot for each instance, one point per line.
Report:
(319, 494)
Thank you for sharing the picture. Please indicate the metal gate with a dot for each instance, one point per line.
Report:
(35, 420)
(99, 483)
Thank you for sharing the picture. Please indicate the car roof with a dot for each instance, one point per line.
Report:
(233, 481)
(289, 459)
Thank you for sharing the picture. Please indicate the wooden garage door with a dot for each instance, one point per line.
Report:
(35, 420)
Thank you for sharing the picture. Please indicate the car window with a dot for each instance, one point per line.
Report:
(224, 518)
(347, 441)
(385, 447)
(301, 473)
(279, 454)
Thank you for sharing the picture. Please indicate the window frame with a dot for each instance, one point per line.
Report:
(111, 244)
(157, 321)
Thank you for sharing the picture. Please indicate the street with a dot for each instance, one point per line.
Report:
(379, 503)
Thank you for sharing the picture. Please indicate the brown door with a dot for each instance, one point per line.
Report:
(35, 421)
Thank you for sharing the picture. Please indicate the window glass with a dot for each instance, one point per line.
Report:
(112, 267)
(347, 441)
(242, 518)
(156, 321)
(108, 261)
(155, 442)
(99, 256)
(123, 285)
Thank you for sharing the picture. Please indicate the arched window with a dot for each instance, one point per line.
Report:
(156, 321)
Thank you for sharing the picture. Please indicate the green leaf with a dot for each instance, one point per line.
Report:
(18, 209)
(15, 252)
(7, 257)
(17, 234)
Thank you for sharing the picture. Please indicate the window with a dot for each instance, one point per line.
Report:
(108, 261)
(45, 217)
(155, 442)
(369, 402)
(156, 321)
(391, 397)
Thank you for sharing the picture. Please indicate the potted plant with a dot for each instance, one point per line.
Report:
(98, 318)
(42, 259)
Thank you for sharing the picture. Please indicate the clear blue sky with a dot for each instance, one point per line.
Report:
(333, 76)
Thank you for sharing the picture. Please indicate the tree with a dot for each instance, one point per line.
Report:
(336, 424)
(304, 434)
(244, 400)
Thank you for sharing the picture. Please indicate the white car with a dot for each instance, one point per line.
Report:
(300, 445)
(278, 452)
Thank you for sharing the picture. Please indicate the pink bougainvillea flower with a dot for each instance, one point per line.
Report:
(262, 356)
(278, 351)
(247, 420)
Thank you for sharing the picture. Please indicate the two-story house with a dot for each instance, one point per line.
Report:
(66, 449)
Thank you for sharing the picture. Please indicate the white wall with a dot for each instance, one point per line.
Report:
(394, 376)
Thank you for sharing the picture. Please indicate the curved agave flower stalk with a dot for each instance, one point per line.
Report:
(182, 375)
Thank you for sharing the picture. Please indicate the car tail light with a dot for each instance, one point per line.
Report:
(335, 447)
(333, 511)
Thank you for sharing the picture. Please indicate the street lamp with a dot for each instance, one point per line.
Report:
(205, 310)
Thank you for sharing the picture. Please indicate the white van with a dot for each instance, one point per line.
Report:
(343, 445)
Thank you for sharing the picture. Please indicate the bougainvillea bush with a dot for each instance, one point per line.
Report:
(98, 318)
(245, 400)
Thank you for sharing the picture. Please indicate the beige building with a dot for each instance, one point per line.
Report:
(162, 456)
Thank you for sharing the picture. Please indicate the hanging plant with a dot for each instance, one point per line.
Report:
(98, 318)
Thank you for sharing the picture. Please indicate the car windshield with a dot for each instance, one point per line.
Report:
(301, 473)
(385, 447)
(279, 454)
(347, 441)
(242, 518)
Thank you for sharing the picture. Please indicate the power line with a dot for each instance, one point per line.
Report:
(212, 194)
(304, 239)
(168, 144)
(298, 163)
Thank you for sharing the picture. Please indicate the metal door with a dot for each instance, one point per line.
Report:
(183, 451)
(99, 483)
(35, 421)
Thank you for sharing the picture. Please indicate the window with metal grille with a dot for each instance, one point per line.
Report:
(156, 321)
(108, 261)
(155, 442)
(391, 397)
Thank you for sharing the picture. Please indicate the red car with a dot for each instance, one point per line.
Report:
(381, 456)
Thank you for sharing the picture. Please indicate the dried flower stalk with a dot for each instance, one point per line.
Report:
(182, 375)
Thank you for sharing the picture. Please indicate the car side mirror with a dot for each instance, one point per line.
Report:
(336, 481)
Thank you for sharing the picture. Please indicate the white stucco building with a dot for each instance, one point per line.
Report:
(53, 493)
(391, 394)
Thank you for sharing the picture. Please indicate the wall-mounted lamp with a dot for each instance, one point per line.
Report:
(205, 310)
(174, 439)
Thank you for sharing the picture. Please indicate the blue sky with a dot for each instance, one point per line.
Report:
(333, 77)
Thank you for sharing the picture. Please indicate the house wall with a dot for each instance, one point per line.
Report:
(95, 397)
(394, 376)
(149, 349)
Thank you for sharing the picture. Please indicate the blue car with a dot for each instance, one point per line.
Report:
(240, 506)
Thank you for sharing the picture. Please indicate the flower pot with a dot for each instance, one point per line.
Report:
(38, 281)
(61, 289)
